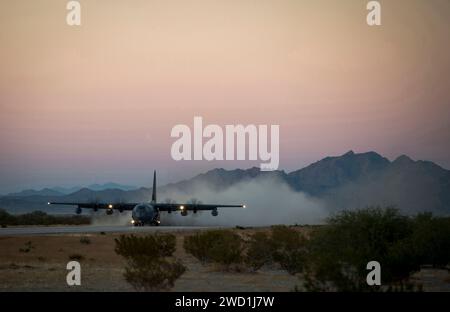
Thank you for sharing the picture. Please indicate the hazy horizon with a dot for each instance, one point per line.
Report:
(168, 181)
(96, 103)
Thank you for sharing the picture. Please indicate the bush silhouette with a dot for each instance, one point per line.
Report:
(259, 251)
(284, 246)
(156, 246)
(85, 240)
(339, 252)
(153, 274)
(76, 257)
(430, 240)
(220, 246)
(40, 218)
(150, 265)
(289, 248)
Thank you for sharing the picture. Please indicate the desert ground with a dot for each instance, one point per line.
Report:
(38, 263)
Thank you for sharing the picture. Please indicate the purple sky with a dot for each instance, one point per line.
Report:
(96, 103)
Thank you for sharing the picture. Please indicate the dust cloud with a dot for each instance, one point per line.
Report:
(269, 201)
(100, 218)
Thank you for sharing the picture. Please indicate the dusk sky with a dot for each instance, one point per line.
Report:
(97, 102)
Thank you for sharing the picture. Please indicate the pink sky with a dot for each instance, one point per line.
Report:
(96, 103)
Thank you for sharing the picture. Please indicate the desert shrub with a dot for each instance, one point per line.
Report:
(199, 245)
(40, 218)
(284, 246)
(430, 240)
(220, 246)
(158, 245)
(288, 248)
(339, 252)
(6, 218)
(153, 274)
(76, 257)
(259, 250)
(85, 240)
(35, 218)
(240, 227)
(28, 246)
(150, 265)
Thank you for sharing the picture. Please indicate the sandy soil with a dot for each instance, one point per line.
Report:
(43, 268)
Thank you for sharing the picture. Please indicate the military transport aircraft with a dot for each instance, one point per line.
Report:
(148, 213)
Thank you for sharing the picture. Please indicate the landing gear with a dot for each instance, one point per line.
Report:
(140, 223)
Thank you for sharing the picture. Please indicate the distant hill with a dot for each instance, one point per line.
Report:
(344, 182)
(412, 186)
(111, 185)
(358, 180)
(59, 191)
(30, 192)
(332, 172)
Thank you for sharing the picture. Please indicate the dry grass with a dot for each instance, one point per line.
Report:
(43, 268)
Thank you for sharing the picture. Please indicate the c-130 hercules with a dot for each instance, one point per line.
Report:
(148, 213)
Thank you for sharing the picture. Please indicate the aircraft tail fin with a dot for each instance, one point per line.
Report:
(154, 187)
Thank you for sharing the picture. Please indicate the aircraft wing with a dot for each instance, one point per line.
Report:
(192, 207)
(95, 206)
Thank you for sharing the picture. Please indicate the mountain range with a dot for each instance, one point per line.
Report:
(59, 191)
(352, 180)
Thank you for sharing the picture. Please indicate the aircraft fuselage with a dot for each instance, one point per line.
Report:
(144, 214)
